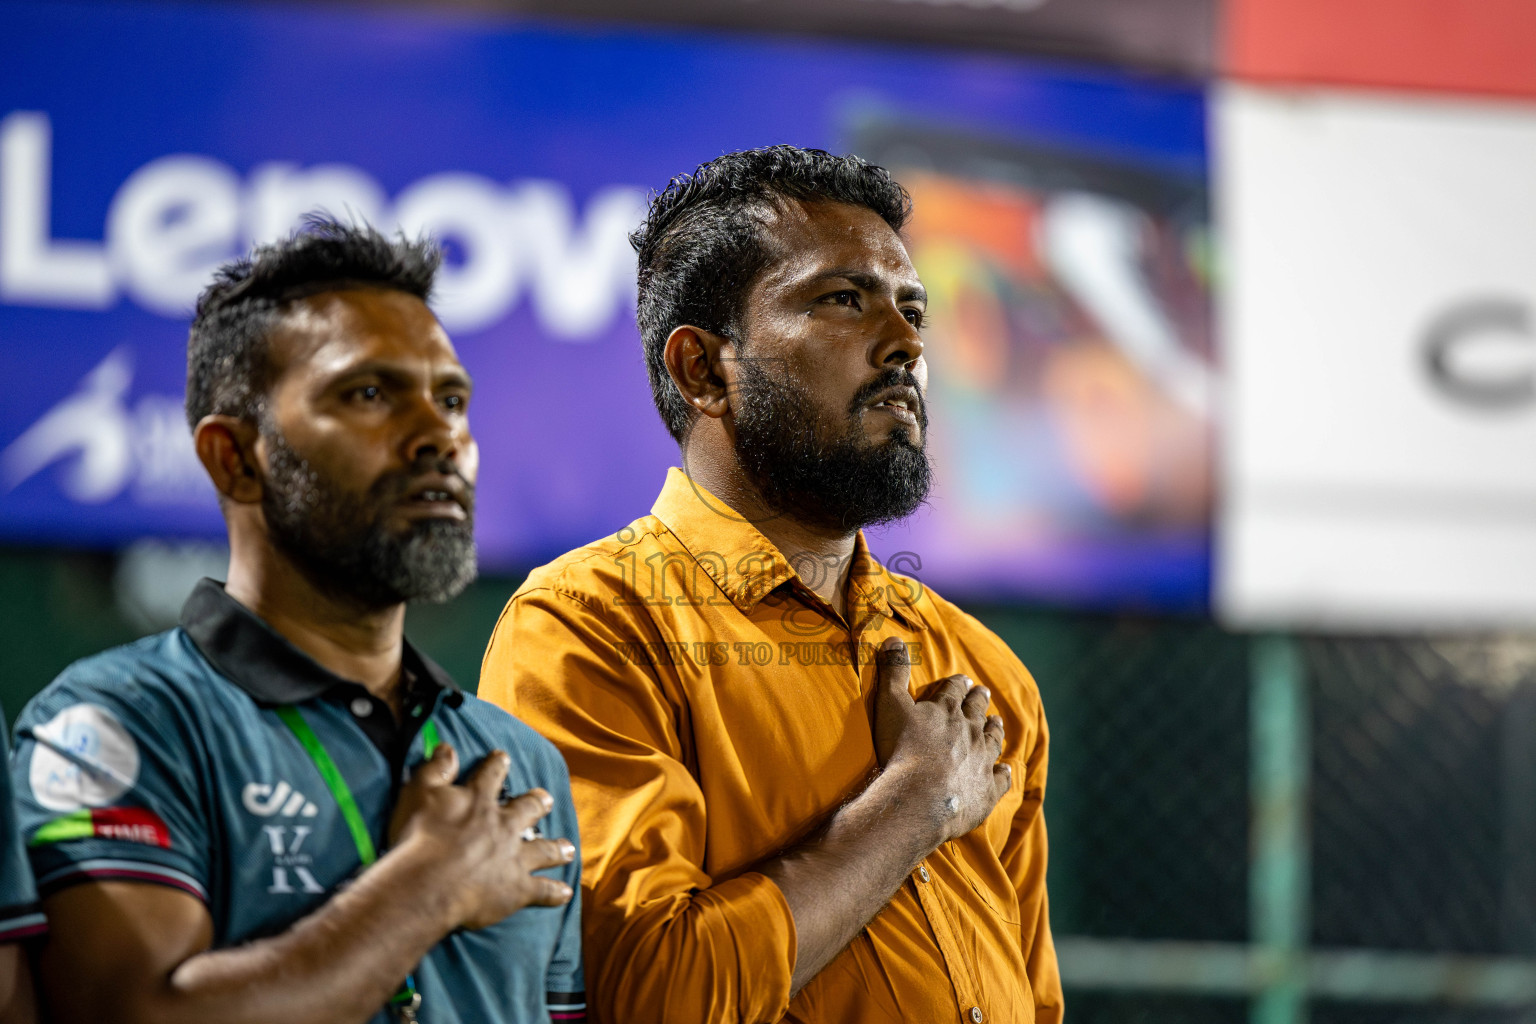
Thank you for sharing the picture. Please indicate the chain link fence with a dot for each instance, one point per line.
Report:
(1406, 876)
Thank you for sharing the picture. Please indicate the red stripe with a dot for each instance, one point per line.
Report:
(23, 933)
(580, 1015)
(1487, 47)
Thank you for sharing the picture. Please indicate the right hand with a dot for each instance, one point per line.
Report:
(474, 843)
(947, 744)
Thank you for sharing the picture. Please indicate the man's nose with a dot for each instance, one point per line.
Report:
(434, 432)
(900, 344)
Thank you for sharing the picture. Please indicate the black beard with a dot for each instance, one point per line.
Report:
(837, 481)
(342, 546)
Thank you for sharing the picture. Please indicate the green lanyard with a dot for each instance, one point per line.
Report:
(407, 1000)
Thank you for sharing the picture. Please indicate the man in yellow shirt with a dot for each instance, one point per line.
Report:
(809, 789)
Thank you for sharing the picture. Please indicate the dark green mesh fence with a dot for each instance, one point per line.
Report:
(1418, 826)
(1423, 797)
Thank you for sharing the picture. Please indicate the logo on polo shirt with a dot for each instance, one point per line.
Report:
(83, 758)
(289, 856)
(264, 800)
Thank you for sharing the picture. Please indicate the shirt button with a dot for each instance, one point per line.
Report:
(362, 707)
(922, 872)
(976, 1014)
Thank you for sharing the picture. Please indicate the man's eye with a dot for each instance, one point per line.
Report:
(367, 393)
(845, 299)
(916, 317)
(455, 402)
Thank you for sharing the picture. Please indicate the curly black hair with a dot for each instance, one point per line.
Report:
(703, 243)
(227, 367)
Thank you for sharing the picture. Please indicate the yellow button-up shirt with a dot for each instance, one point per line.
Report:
(714, 711)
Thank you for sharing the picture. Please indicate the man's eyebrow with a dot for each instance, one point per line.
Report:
(455, 377)
(873, 283)
(398, 373)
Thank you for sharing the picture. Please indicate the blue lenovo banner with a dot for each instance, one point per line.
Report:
(1061, 229)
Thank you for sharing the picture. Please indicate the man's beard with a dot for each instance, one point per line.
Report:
(343, 545)
(831, 479)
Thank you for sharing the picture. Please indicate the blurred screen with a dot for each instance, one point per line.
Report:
(1070, 358)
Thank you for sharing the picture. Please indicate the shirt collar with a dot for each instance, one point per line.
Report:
(253, 656)
(746, 565)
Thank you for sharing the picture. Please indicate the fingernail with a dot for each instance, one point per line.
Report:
(891, 643)
(567, 849)
(547, 800)
(566, 890)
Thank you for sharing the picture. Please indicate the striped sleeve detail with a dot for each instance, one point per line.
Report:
(106, 869)
(21, 922)
(567, 1007)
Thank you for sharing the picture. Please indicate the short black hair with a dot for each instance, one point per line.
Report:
(702, 244)
(227, 367)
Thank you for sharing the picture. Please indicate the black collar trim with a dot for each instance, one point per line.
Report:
(253, 656)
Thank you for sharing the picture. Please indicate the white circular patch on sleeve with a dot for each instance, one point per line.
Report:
(83, 758)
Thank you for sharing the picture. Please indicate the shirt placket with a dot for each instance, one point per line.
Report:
(868, 617)
(941, 921)
(873, 619)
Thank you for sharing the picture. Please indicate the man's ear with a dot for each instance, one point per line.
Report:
(702, 366)
(226, 446)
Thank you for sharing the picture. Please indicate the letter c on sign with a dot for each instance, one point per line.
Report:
(1472, 324)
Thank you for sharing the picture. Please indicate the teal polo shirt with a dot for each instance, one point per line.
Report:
(20, 915)
(169, 761)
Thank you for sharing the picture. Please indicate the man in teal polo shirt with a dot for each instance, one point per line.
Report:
(281, 811)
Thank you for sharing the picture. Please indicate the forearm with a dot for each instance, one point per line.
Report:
(737, 950)
(338, 965)
(341, 963)
(836, 883)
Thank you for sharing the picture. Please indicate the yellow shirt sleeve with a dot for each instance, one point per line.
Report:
(663, 940)
(1024, 857)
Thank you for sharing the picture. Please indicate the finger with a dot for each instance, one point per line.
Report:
(952, 691)
(893, 665)
(975, 703)
(549, 892)
(528, 808)
(1002, 779)
(488, 776)
(993, 731)
(438, 770)
(547, 853)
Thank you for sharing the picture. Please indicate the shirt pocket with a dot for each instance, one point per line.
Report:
(991, 885)
(979, 854)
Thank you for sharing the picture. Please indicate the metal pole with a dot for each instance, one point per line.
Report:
(1279, 877)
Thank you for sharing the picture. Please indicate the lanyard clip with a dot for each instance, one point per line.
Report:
(406, 1008)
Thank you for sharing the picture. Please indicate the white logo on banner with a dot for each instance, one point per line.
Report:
(83, 758)
(178, 217)
(110, 443)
